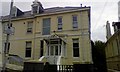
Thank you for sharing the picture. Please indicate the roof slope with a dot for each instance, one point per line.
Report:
(46, 11)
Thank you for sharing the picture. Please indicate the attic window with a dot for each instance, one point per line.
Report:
(35, 8)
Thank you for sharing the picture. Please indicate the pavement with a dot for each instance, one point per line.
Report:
(110, 70)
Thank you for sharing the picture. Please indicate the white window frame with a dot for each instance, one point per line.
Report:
(60, 23)
(28, 47)
(29, 26)
(75, 22)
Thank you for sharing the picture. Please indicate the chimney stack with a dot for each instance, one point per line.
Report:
(108, 30)
(119, 11)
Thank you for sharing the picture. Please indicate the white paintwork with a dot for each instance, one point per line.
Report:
(41, 58)
(52, 59)
(0, 45)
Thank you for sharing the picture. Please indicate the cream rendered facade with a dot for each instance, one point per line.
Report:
(67, 34)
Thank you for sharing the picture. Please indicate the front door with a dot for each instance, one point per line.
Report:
(54, 52)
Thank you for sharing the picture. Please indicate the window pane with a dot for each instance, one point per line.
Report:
(46, 31)
(28, 52)
(28, 49)
(75, 18)
(46, 26)
(76, 45)
(59, 20)
(29, 30)
(46, 22)
(59, 23)
(29, 27)
(76, 52)
(56, 50)
(28, 44)
(41, 48)
(35, 9)
(51, 50)
(60, 50)
(75, 23)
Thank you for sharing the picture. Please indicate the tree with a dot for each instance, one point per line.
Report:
(98, 54)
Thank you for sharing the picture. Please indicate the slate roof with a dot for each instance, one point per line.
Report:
(46, 11)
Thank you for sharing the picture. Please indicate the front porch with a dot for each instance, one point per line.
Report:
(54, 50)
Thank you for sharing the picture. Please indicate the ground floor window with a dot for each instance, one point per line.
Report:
(28, 49)
(28, 52)
(75, 47)
(41, 48)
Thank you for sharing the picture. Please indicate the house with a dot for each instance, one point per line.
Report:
(113, 49)
(58, 35)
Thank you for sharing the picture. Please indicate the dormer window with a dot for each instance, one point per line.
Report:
(16, 12)
(37, 7)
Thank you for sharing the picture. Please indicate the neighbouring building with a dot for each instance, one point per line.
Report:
(1, 44)
(58, 35)
(113, 49)
(113, 44)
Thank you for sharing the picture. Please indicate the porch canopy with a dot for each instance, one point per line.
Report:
(54, 39)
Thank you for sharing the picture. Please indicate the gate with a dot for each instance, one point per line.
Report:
(65, 68)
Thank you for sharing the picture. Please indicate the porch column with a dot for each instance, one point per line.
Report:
(62, 49)
(46, 54)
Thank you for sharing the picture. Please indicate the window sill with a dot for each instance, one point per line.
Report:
(29, 33)
(27, 58)
(75, 29)
(59, 30)
(76, 58)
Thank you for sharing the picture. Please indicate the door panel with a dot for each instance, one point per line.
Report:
(54, 52)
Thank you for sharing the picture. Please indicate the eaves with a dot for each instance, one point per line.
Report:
(47, 14)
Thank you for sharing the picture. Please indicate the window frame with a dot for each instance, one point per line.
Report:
(49, 27)
(75, 21)
(60, 23)
(76, 40)
(27, 49)
(41, 48)
(29, 27)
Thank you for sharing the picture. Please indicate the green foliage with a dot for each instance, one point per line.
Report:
(100, 46)
(98, 53)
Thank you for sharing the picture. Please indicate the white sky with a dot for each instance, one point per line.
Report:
(101, 11)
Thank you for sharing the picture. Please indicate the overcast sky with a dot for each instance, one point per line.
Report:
(101, 11)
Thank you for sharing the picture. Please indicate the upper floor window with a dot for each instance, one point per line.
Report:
(46, 26)
(75, 21)
(30, 27)
(59, 23)
(75, 47)
(28, 49)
